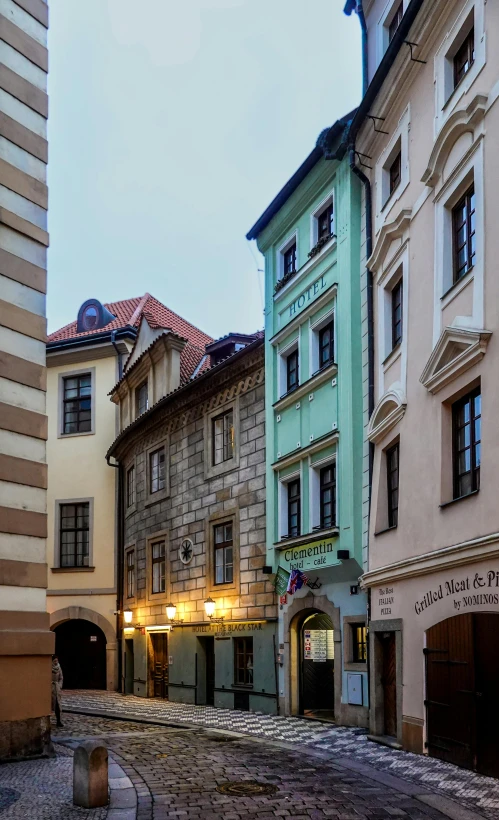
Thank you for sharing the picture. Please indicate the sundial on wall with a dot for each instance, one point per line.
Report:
(186, 551)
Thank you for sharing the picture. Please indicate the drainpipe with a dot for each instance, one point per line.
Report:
(118, 356)
(363, 27)
(370, 352)
(119, 566)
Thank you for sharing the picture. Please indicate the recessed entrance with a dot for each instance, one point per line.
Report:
(160, 664)
(81, 648)
(389, 682)
(462, 681)
(317, 666)
(207, 671)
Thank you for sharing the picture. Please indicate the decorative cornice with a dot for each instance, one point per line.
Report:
(457, 555)
(388, 233)
(307, 387)
(388, 412)
(465, 346)
(460, 122)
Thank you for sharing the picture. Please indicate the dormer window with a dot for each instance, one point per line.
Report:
(142, 399)
(93, 316)
(90, 317)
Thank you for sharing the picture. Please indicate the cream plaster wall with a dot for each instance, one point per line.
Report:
(78, 469)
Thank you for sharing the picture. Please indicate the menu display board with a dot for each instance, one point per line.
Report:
(318, 645)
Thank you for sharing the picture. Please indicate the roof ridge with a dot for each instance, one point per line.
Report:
(138, 310)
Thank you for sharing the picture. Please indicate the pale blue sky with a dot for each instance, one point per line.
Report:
(173, 123)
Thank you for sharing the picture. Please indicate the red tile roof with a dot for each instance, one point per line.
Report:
(129, 312)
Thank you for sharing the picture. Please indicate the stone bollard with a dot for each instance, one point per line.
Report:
(90, 775)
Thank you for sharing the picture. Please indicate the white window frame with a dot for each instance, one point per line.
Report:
(446, 96)
(290, 240)
(397, 269)
(399, 141)
(382, 41)
(467, 172)
(315, 487)
(282, 505)
(314, 218)
(282, 373)
(69, 374)
(315, 329)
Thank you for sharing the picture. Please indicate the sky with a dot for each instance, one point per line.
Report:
(173, 124)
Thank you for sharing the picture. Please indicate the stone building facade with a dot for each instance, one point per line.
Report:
(194, 531)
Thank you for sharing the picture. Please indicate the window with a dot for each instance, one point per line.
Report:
(130, 574)
(397, 314)
(289, 259)
(328, 496)
(395, 22)
(77, 404)
(294, 508)
(223, 437)
(464, 58)
(74, 534)
(326, 345)
(467, 437)
(464, 234)
(292, 371)
(395, 172)
(392, 474)
(243, 661)
(325, 223)
(224, 559)
(157, 470)
(359, 643)
(130, 487)
(142, 399)
(158, 565)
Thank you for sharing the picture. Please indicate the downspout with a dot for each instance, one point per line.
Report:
(370, 353)
(118, 356)
(119, 567)
(363, 27)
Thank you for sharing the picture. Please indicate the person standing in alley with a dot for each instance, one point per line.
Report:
(57, 681)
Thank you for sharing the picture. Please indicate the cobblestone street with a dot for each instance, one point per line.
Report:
(477, 793)
(176, 773)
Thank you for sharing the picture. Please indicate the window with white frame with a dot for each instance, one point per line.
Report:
(289, 508)
(392, 169)
(393, 310)
(322, 346)
(287, 257)
(322, 225)
(323, 508)
(460, 218)
(388, 24)
(289, 369)
(459, 59)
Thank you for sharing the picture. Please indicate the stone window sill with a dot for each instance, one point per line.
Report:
(461, 498)
(72, 569)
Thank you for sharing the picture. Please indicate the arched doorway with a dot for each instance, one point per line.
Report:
(81, 648)
(316, 658)
(462, 682)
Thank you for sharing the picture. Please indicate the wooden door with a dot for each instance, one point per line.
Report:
(389, 681)
(486, 637)
(210, 670)
(160, 664)
(450, 690)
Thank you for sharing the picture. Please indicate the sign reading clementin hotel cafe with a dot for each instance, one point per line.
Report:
(315, 555)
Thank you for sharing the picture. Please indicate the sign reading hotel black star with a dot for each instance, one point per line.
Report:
(185, 552)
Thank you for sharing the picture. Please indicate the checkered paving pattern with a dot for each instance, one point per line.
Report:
(474, 791)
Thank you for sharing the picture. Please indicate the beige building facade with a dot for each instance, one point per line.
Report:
(424, 142)
(85, 360)
(26, 643)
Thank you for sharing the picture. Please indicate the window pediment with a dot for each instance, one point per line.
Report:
(456, 351)
(387, 413)
(459, 123)
(389, 233)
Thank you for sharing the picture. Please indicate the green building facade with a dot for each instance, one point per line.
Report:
(310, 236)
